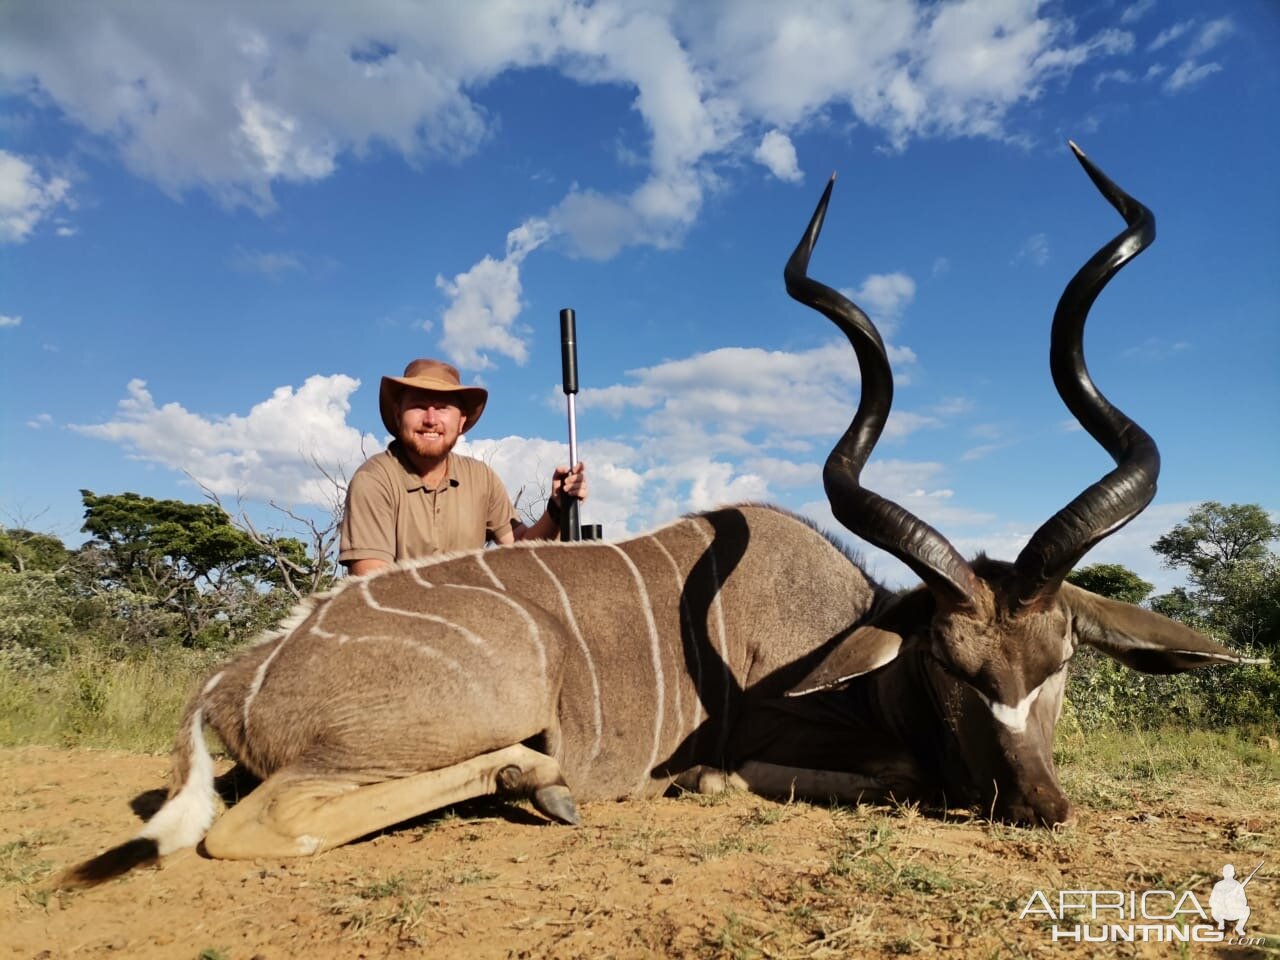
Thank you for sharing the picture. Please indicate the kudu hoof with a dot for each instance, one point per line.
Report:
(555, 801)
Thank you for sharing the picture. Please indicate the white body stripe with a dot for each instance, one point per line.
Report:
(597, 717)
(655, 653)
(258, 676)
(685, 617)
(488, 571)
(534, 633)
(472, 638)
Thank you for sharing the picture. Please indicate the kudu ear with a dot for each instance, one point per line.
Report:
(866, 649)
(1141, 639)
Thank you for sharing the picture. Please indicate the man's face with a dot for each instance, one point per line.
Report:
(430, 422)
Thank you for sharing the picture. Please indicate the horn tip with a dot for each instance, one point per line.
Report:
(1075, 148)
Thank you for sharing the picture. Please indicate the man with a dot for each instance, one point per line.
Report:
(418, 497)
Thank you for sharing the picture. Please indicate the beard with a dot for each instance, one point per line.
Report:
(429, 444)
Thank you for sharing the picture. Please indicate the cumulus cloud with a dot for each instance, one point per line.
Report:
(486, 303)
(40, 421)
(8, 321)
(885, 297)
(621, 495)
(740, 401)
(26, 197)
(777, 153)
(237, 97)
(272, 452)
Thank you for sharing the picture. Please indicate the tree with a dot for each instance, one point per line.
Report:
(25, 550)
(1112, 580)
(1234, 578)
(190, 559)
(1214, 539)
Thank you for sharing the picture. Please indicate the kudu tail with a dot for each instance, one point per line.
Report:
(182, 821)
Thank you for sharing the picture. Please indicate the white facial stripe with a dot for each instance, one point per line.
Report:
(1015, 717)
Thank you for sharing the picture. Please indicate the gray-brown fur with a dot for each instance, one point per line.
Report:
(628, 661)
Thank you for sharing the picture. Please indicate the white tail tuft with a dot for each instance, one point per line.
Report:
(185, 818)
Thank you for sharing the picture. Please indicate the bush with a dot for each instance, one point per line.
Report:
(34, 614)
(1104, 693)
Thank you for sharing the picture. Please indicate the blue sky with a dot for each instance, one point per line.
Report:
(220, 224)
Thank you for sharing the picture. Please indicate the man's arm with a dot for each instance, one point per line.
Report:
(359, 568)
(367, 540)
(564, 483)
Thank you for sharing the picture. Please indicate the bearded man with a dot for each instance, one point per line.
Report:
(418, 497)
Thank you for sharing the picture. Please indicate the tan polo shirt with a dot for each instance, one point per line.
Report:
(391, 515)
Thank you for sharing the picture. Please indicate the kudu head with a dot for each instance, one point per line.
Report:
(994, 638)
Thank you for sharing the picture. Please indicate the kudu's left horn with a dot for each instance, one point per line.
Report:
(1122, 494)
(863, 512)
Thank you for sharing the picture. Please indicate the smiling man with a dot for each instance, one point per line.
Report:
(418, 497)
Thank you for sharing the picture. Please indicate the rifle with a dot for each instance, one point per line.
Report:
(570, 528)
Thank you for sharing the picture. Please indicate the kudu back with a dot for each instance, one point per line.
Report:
(740, 640)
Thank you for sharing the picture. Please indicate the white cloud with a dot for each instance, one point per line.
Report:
(1035, 248)
(884, 297)
(268, 453)
(40, 421)
(1157, 348)
(1133, 12)
(268, 263)
(1112, 76)
(777, 153)
(26, 197)
(1188, 74)
(8, 321)
(1210, 35)
(238, 96)
(1169, 34)
(748, 401)
(486, 303)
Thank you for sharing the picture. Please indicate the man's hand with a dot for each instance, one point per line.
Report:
(564, 483)
(571, 483)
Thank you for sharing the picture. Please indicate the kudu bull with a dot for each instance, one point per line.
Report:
(740, 640)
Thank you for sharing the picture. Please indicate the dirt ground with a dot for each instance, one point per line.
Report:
(681, 876)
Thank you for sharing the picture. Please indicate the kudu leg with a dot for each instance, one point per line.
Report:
(296, 812)
(783, 782)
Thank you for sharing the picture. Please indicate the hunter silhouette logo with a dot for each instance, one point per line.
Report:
(1227, 903)
(1146, 916)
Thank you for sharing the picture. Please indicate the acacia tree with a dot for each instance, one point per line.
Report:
(189, 559)
(1233, 575)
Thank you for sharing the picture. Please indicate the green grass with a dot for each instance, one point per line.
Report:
(92, 700)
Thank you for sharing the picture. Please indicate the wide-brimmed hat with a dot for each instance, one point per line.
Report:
(426, 374)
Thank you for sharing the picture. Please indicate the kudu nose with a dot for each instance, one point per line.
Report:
(1039, 807)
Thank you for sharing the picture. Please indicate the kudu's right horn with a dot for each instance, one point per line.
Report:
(1122, 494)
(863, 512)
